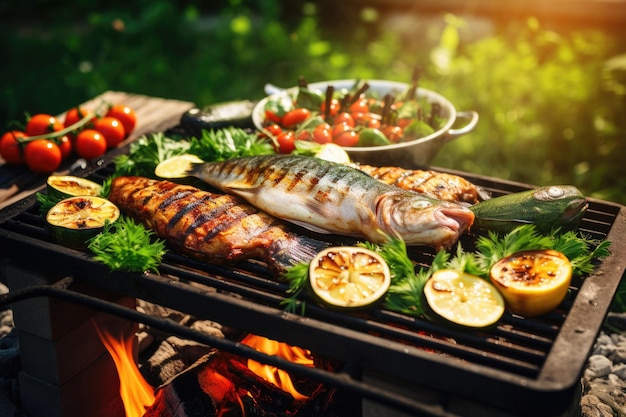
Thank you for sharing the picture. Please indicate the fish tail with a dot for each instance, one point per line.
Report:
(286, 253)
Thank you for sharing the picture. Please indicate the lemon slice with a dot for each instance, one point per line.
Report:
(177, 166)
(75, 220)
(334, 153)
(532, 282)
(63, 186)
(349, 277)
(463, 299)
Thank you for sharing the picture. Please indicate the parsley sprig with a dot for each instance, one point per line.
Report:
(127, 246)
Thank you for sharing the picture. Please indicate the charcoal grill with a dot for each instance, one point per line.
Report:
(528, 367)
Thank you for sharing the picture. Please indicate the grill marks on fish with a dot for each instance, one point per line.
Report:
(215, 228)
(328, 197)
(438, 185)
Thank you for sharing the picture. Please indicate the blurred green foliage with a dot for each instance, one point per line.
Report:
(550, 102)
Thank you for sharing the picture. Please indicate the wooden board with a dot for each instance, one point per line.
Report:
(153, 115)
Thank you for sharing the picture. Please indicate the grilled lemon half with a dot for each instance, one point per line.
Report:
(75, 220)
(349, 277)
(532, 282)
(463, 299)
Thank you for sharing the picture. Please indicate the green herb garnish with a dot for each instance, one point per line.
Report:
(407, 284)
(228, 143)
(127, 246)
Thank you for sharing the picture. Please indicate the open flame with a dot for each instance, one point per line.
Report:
(272, 374)
(137, 395)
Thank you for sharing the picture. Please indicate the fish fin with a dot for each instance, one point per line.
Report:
(289, 252)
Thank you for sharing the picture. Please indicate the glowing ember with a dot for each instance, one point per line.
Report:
(136, 393)
(272, 374)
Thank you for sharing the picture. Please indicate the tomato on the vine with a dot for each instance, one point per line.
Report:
(10, 148)
(296, 116)
(42, 155)
(76, 114)
(65, 144)
(90, 144)
(286, 141)
(42, 124)
(125, 114)
(112, 130)
(323, 133)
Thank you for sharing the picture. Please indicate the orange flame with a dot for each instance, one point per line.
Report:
(272, 374)
(137, 395)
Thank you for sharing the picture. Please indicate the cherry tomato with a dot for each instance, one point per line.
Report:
(305, 135)
(65, 144)
(404, 122)
(76, 114)
(42, 155)
(347, 138)
(393, 133)
(273, 117)
(286, 142)
(126, 115)
(90, 144)
(360, 106)
(295, 117)
(274, 129)
(112, 130)
(323, 133)
(339, 129)
(334, 107)
(344, 117)
(41, 124)
(10, 148)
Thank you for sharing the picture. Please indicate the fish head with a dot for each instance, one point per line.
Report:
(419, 220)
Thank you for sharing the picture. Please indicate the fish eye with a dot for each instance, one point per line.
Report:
(420, 204)
(555, 192)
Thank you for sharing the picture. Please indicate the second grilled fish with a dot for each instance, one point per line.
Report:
(328, 197)
(215, 228)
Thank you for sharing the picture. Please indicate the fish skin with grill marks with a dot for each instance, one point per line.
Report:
(214, 228)
(433, 184)
(329, 197)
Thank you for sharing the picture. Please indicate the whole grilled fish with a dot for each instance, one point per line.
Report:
(215, 228)
(433, 184)
(548, 208)
(329, 197)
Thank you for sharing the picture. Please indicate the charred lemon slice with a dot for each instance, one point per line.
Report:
(75, 220)
(177, 166)
(349, 277)
(532, 282)
(463, 299)
(63, 186)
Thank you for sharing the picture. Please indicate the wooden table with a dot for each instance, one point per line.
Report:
(153, 115)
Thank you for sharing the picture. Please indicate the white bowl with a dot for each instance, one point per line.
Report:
(417, 152)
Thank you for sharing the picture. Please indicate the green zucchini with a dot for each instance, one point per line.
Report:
(548, 208)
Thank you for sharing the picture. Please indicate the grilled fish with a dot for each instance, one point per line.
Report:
(433, 184)
(215, 228)
(329, 197)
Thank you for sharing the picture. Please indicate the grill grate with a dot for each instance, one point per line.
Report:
(528, 361)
